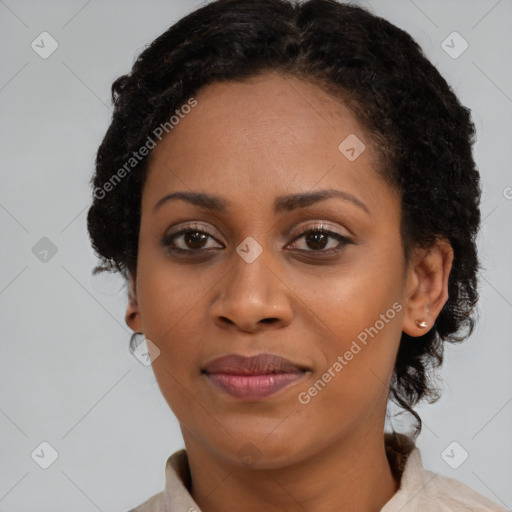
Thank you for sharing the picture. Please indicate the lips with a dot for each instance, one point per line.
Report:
(253, 378)
(261, 364)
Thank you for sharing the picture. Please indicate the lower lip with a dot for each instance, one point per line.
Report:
(253, 387)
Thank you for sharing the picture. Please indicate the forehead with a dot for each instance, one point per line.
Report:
(269, 135)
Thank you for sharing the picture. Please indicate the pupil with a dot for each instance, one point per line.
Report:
(316, 240)
(194, 239)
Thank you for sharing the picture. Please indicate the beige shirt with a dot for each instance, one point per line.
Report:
(420, 490)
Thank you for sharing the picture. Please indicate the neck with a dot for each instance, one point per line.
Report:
(351, 474)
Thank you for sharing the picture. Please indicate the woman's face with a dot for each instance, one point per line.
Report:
(258, 282)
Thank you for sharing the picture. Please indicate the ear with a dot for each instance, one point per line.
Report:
(132, 316)
(427, 286)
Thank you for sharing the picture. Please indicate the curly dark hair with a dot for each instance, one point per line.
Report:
(421, 132)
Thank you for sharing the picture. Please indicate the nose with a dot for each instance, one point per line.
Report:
(252, 297)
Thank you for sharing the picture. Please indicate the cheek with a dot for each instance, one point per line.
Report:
(168, 297)
(170, 315)
(352, 297)
(354, 380)
(359, 312)
(171, 318)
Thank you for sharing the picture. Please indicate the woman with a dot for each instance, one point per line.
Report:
(289, 190)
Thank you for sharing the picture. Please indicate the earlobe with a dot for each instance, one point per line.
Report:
(427, 287)
(132, 315)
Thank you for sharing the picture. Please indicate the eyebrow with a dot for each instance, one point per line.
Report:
(282, 203)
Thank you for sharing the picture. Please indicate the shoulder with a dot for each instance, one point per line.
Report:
(157, 503)
(175, 497)
(451, 494)
(422, 490)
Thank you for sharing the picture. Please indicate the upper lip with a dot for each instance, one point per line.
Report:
(260, 364)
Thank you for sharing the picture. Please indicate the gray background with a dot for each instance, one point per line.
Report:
(66, 375)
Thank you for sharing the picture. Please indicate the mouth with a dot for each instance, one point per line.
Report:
(253, 378)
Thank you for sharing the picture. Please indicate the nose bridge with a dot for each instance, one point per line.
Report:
(250, 274)
(251, 291)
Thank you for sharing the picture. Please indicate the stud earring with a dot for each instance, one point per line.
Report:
(421, 324)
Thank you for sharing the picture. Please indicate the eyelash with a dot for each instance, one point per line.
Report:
(168, 239)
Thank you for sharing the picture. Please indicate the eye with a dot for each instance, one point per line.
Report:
(317, 238)
(197, 239)
(192, 239)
